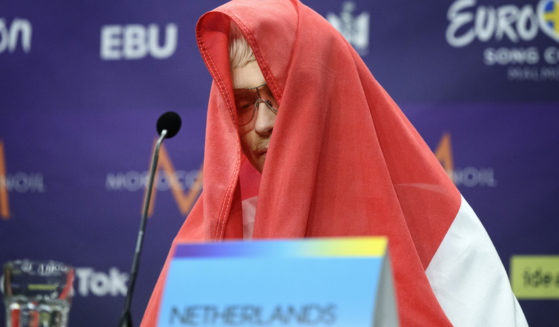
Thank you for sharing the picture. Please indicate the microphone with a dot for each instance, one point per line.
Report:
(169, 121)
(167, 126)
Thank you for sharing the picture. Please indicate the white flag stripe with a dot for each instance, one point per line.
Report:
(468, 278)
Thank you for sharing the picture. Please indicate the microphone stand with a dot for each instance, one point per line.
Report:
(126, 318)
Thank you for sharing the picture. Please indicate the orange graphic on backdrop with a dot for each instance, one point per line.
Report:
(4, 205)
(184, 201)
(444, 153)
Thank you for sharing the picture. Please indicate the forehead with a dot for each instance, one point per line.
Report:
(247, 76)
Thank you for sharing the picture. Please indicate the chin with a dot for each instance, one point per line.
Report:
(258, 164)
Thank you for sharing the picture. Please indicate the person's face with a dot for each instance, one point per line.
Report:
(255, 127)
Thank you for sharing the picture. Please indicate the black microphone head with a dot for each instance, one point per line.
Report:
(169, 121)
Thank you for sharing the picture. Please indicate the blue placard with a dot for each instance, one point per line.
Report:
(271, 283)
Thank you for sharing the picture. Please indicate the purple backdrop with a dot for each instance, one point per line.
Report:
(83, 83)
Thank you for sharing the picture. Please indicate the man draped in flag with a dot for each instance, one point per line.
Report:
(302, 141)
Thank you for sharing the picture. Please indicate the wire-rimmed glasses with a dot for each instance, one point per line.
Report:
(248, 101)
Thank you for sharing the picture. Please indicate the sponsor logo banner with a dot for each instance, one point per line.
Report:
(90, 282)
(535, 277)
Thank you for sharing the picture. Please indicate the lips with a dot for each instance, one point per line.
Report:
(262, 151)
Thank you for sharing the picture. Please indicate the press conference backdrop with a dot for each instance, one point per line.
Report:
(83, 83)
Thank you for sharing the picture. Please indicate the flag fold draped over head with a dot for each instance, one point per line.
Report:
(343, 159)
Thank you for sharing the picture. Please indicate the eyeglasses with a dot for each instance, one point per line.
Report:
(248, 101)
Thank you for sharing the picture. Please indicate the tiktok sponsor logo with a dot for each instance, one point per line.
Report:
(99, 283)
(134, 41)
(355, 28)
(471, 22)
(14, 33)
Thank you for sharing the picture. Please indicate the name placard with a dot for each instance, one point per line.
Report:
(308, 282)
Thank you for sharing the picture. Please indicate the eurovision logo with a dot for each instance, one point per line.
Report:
(355, 28)
(499, 26)
(469, 21)
(548, 12)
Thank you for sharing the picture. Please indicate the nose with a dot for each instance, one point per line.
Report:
(265, 120)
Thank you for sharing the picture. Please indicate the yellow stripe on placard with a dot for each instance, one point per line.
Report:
(535, 276)
(351, 247)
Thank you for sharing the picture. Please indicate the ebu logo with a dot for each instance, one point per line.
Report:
(136, 41)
